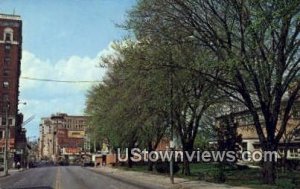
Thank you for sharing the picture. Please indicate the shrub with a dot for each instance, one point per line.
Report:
(285, 184)
(219, 176)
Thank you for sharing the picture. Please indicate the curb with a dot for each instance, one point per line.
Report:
(10, 174)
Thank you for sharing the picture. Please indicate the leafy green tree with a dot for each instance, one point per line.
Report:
(130, 100)
(254, 46)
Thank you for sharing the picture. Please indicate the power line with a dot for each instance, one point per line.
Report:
(58, 81)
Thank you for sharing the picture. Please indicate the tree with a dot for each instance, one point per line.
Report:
(192, 97)
(129, 100)
(254, 45)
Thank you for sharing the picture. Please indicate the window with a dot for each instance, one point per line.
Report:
(7, 46)
(5, 84)
(1, 134)
(8, 37)
(294, 152)
(5, 98)
(7, 49)
(8, 34)
(3, 122)
(10, 122)
(7, 60)
(5, 72)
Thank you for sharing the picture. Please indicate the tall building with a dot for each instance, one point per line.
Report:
(62, 137)
(10, 64)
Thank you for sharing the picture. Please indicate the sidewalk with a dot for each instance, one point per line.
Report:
(10, 172)
(159, 180)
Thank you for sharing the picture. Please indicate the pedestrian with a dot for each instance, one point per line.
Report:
(18, 165)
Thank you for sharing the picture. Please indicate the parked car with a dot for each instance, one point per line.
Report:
(88, 164)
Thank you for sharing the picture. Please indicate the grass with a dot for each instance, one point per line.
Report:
(248, 177)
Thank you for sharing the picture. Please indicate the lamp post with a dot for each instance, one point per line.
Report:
(172, 146)
(5, 158)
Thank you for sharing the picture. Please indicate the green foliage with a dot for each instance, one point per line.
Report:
(285, 184)
(130, 106)
(251, 45)
(228, 138)
(218, 174)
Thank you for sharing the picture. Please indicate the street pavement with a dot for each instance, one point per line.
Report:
(64, 177)
(159, 181)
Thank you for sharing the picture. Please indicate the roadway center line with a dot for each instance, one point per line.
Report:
(58, 179)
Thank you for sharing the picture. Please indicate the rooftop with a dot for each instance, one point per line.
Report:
(10, 16)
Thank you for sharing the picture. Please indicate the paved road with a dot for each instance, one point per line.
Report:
(62, 178)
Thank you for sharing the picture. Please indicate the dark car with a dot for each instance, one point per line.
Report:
(88, 164)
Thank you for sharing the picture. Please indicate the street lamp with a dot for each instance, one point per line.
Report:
(172, 146)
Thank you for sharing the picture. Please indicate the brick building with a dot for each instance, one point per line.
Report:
(62, 137)
(10, 64)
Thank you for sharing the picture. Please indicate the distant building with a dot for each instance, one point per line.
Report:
(290, 141)
(63, 137)
(10, 64)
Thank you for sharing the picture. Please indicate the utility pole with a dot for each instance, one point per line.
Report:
(6, 141)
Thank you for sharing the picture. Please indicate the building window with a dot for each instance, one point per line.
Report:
(5, 72)
(5, 84)
(7, 46)
(7, 60)
(1, 134)
(3, 121)
(294, 152)
(8, 34)
(5, 98)
(8, 37)
(10, 122)
(7, 49)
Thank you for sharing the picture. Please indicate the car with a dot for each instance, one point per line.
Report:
(88, 164)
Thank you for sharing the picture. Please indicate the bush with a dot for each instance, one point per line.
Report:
(164, 167)
(219, 176)
(292, 164)
(285, 184)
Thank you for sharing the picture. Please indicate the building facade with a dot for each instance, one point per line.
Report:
(62, 137)
(289, 143)
(10, 64)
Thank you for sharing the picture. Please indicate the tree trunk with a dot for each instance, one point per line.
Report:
(186, 167)
(150, 163)
(269, 165)
(186, 164)
(129, 158)
(269, 172)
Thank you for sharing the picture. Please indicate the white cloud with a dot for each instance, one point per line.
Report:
(46, 98)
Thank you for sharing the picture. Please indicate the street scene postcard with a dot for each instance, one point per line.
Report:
(149, 94)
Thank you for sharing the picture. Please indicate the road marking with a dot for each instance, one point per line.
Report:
(58, 179)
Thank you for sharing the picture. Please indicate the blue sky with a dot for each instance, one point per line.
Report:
(63, 39)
